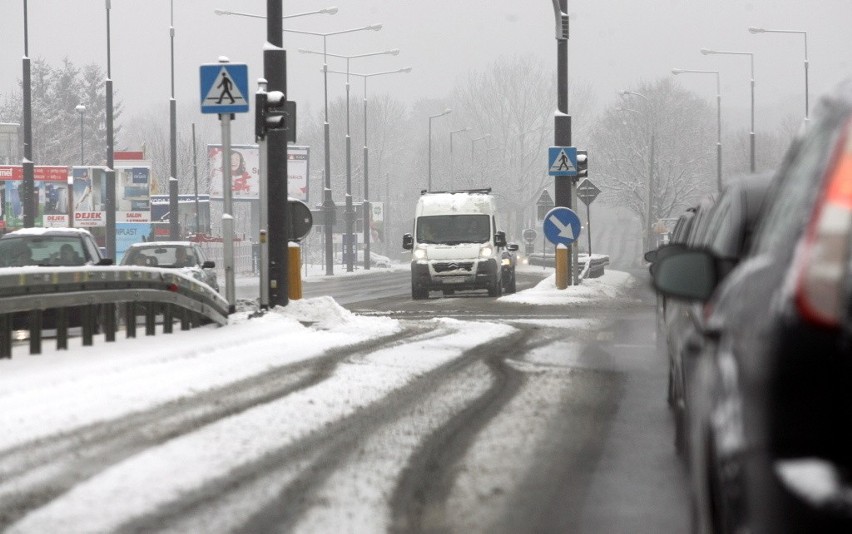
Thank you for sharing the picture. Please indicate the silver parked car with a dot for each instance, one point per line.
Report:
(184, 255)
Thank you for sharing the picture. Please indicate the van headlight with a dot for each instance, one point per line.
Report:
(506, 262)
(485, 252)
(420, 254)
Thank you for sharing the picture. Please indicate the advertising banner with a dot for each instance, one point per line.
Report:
(298, 158)
(89, 196)
(245, 171)
(245, 178)
(50, 193)
(133, 186)
(377, 221)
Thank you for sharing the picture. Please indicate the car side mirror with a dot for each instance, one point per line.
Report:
(500, 239)
(512, 247)
(686, 273)
(209, 264)
(407, 242)
(651, 256)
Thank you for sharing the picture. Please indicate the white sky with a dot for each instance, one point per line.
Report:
(58, 391)
(614, 44)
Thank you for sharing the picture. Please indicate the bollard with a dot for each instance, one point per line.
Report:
(294, 274)
(561, 266)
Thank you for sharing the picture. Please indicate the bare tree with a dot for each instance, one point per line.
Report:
(513, 102)
(681, 129)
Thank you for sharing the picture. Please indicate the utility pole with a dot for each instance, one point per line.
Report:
(278, 209)
(562, 121)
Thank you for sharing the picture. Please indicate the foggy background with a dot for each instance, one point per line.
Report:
(614, 44)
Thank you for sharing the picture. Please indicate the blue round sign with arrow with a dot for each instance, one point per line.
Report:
(561, 226)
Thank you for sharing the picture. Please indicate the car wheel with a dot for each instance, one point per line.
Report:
(495, 289)
(510, 286)
(418, 292)
(448, 292)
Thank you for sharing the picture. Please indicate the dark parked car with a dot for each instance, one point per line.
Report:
(185, 255)
(771, 404)
(728, 233)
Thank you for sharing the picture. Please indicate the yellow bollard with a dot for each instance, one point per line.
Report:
(294, 274)
(561, 266)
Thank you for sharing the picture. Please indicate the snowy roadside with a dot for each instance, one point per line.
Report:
(40, 395)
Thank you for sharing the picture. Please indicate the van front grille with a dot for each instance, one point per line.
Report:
(453, 266)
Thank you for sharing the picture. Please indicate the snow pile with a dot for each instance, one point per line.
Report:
(611, 286)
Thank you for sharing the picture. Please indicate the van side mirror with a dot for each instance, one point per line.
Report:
(407, 242)
(500, 239)
(209, 264)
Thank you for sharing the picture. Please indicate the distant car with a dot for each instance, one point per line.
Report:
(184, 255)
(507, 264)
(47, 247)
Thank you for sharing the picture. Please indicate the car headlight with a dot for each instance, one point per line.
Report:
(485, 252)
(420, 254)
(507, 261)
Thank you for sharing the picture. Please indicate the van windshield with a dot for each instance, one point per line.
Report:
(453, 229)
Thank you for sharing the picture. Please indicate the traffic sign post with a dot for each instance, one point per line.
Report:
(561, 226)
(562, 161)
(224, 90)
(588, 192)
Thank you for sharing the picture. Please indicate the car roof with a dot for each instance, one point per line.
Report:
(47, 231)
(155, 244)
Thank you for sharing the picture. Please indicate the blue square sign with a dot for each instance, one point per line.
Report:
(224, 88)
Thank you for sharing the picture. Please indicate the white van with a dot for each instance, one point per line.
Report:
(456, 244)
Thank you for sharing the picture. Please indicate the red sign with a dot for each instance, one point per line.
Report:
(42, 173)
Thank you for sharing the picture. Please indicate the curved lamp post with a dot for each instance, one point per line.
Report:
(324, 11)
(350, 212)
(366, 159)
(652, 146)
(706, 51)
(445, 112)
(803, 34)
(718, 119)
(452, 161)
(81, 109)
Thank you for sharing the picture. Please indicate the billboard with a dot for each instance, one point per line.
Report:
(89, 194)
(245, 172)
(50, 194)
(133, 194)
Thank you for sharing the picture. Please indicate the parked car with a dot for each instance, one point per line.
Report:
(771, 404)
(50, 247)
(184, 255)
(728, 233)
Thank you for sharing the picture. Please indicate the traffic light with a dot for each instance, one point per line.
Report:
(582, 164)
(269, 112)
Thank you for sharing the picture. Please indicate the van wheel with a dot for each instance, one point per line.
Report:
(495, 289)
(418, 293)
(510, 287)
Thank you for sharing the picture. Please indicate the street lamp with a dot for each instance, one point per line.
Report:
(110, 162)
(651, 185)
(350, 212)
(81, 109)
(452, 163)
(324, 11)
(718, 119)
(473, 144)
(328, 203)
(706, 51)
(803, 34)
(445, 112)
(174, 206)
(366, 174)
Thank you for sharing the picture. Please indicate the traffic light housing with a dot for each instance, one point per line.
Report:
(582, 164)
(270, 112)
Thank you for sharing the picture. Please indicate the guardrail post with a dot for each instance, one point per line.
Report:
(130, 319)
(184, 319)
(35, 331)
(109, 322)
(88, 318)
(150, 319)
(5, 336)
(168, 318)
(62, 329)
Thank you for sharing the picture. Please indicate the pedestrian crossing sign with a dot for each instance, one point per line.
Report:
(224, 88)
(562, 161)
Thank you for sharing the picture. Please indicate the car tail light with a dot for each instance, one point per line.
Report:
(822, 260)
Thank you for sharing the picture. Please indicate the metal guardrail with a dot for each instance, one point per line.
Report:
(98, 298)
(585, 268)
